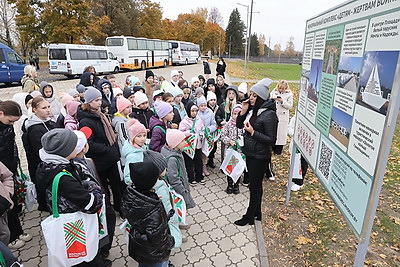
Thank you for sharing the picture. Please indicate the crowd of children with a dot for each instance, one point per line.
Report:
(144, 142)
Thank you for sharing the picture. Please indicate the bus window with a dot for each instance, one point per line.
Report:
(92, 54)
(150, 45)
(158, 45)
(103, 54)
(115, 42)
(78, 54)
(141, 44)
(174, 45)
(111, 56)
(132, 44)
(57, 54)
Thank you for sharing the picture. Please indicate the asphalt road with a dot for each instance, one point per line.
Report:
(62, 83)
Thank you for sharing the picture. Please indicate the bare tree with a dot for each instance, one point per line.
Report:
(201, 11)
(215, 16)
(7, 22)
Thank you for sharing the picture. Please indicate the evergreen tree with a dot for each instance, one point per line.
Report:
(235, 33)
(254, 46)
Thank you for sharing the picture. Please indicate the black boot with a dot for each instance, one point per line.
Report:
(236, 188)
(210, 163)
(229, 189)
(244, 221)
(246, 179)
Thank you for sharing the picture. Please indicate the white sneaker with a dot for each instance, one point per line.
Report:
(16, 244)
(296, 187)
(272, 178)
(25, 237)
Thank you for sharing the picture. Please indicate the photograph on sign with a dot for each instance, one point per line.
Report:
(340, 128)
(376, 81)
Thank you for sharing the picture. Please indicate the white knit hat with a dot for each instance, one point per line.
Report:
(211, 95)
(174, 72)
(194, 79)
(243, 88)
(140, 98)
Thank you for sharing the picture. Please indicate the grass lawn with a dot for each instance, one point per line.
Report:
(257, 71)
(310, 231)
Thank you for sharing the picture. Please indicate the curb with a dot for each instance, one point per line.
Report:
(261, 245)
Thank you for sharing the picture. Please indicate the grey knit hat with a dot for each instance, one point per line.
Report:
(157, 159)
(80, 88)
(61, 142)
(91, 94)
(262, 88)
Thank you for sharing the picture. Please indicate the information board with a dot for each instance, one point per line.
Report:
(349, 85)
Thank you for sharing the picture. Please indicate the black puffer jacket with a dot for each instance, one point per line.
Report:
(143, 116)
(32, 131)
(8, 148)
(265, 127)
(103, 155)
(74, 194)
(150, 240)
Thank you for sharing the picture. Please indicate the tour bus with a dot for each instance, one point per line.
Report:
(72, 59)
(139, 53)
(11, 65)
(185, 52)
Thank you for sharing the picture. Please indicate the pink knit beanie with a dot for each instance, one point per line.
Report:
(122, 103)
(135, 128)
(64, 98)
(174, 137)
(72, 107)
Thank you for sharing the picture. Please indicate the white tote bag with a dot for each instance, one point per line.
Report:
(233, 164)
(71, 238)
(297, 166)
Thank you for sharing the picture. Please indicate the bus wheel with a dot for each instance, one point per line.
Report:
(186, 62)
(69, 76)
(165, 63)
(116, 70)
(8, 83)
(143, 65)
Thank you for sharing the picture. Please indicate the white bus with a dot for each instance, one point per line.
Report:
(72, 59)
(185, 52)
(139, 53)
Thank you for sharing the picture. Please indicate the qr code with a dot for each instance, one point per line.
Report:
(325, 160)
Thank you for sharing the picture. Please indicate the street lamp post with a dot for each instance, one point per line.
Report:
(251, 18)
(247, 38)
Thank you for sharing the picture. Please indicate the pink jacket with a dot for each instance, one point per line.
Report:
(186, 125)
(6, 183)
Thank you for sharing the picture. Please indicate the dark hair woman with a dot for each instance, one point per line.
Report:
(11, 112)
(33, 129)
(258, 118)
(103, 148)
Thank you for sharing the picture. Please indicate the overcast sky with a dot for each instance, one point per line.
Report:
(277, 19)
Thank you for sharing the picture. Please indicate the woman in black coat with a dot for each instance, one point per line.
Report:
(11, 112)
(221, 67)
(103, 148)
(258, 118)
(33, 129)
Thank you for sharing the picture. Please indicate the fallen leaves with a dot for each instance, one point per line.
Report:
(302, 240)
(312, 228)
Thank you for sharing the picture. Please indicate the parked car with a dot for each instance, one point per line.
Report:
(11, 65)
